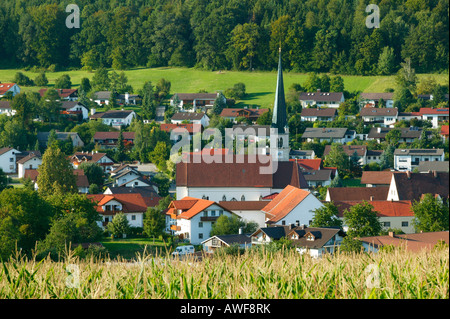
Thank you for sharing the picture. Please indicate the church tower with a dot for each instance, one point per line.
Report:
(279, 120)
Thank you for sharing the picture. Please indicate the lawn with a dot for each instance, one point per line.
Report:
(129, 248)
(260, 86)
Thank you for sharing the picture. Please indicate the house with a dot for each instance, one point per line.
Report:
(219, 241)
(391, 214)
(266, 235)
(190, 117)
(5, 108)
(436, 166)
(292, 205)
(247, 113)
(360, 151)
(123, 168)
(373, 99)
(145, 191)
(343, 194)
(92, 157)
(408, 116)
(179, 129)
(327, 99)
(64, 94)
(129, 99)
(109, 140)
(435, 116)
(444, 132)
(411, 186)
(318, 114)
(8, 160)
(233, 180)
(114, 118)
(61, 136)
(336, 134)
(194, 101)
(316, 241)
(408, 159)
(316, 178)
(249, 211)
(383, 116)
(30, 162)
(376, 178)
(192, 218)
(74, 108)
(407, 134)
(9, 87)
(102, 97)
(410, 242)
(81, 179)
(133, 206)
(253, 133)
(302, 154)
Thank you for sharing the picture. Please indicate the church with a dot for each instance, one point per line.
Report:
(243, 180)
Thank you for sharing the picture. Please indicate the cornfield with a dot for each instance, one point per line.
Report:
(252, 275)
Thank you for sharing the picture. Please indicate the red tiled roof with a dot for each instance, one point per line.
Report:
(191, 206)
(191, 128)
(444, 130)
(358, 193)
(284, 203)
(5, 87)
(376, 177)
(309, 164)
(231, 112)
(113, 135)
(131, 202)
(383, 208)
(61, 92)
(433, 111)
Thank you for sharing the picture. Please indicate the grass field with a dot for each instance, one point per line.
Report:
(253, 275)
(260, 86)
(130, 248)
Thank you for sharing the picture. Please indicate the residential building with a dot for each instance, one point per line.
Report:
(64, 94)
(102, 97)
(436, 166)
(316, 178)
(435, 116)
(109, 140)
(193, 101)
(190, 117)
(408, 159)
(252, 133)
(5, 108)
(114, 118)
(61, 136)
(316, 241)
(247, 113)
(360, 151)
(319, 98)
(220, 241)
(192, 218)
(92, 157)
(81, 180)
(411, 186)
(249, 211)
(408, 116)
(145, 191)
(373, 99)
(343, 194)
(75, 109)
(32, 161)
(407, 134)
(179, 129)
(129, 99)
(318, 114)
(376, 178)
(384, 116)
(391, 214)
(9, 87)
(302, 154)
(8, 160)
(325, 134)
(292, 205)
(410, 242)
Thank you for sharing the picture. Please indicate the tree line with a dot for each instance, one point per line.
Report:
(315, 35)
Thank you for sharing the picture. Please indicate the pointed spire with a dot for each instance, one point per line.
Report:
(279, 118)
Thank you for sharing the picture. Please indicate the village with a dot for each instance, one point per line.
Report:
(383, 170)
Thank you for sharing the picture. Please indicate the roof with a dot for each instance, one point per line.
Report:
(445, 130)
(63, 93)
(317, 175)
(376, 177)
(358, 193)
(348, 149)
(131, 203)
(411, 186)
(321, 236)
(81, 179)
(89, 157)
(259, 130)
(196, 96)
(188, 116)
(319, 112)
(284, 203)
(43, 136)
(383, 111)
(301, 152)
(5, 104)
(112, 114)
(309, 164)
(5, 150)
(243, 205)
(102, 95)
(29, 156)
(377, 96)
(383, 208)
(275, 232)
(336, 132)
(433, 111)
(5, 87)
(70, 104)
(321, 96)
(418, 152)
(192, 206)
(191, 128)
(240, 239)
(408, 132)
(231, 112)
(145, 191)
(411, 242)
(113, 135)
(234, 174)
(429, 166)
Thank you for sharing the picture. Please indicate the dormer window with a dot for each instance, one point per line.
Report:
(310, 237)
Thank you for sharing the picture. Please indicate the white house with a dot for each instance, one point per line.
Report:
(220, 241)
(8, 159)
(192, 101)
(92, 157)
(373, 99)
(316, 241)
(318, 114)
(5, 108)
(435, 116)
(335, 134)
(250, 211)
(383, 116)
(32, 161)
(115, 118)
(328, 99)
(75, 108)
(408, 159)
(9, 87)
(192, 218)
(190, 117)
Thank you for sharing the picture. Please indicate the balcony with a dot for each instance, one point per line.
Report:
(208, 218)
(175, 227)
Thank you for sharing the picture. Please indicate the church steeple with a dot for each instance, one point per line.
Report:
(279, 118)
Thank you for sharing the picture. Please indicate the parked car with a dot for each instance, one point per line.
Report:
(183, 250)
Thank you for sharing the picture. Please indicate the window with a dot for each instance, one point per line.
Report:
(213, 213)
(242, 198)
(387, 224)
(200, 235)
(205, 213)
(11, 159)
(200, 224)
(133, 217)
(283, 222)
(220, 212)
(224, 198)
(405, 224)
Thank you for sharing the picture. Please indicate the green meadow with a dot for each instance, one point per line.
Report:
(260, 86)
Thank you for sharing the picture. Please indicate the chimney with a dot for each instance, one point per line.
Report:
(127, 98)
(391, 234)
(241, 230)
(378, 129)
(297, 223)
(302, 226)
(371, 198)
(93, 111)
(318, 90)
(435, 174)
(408, 174)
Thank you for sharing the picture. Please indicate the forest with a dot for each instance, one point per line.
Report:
(315, 35)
